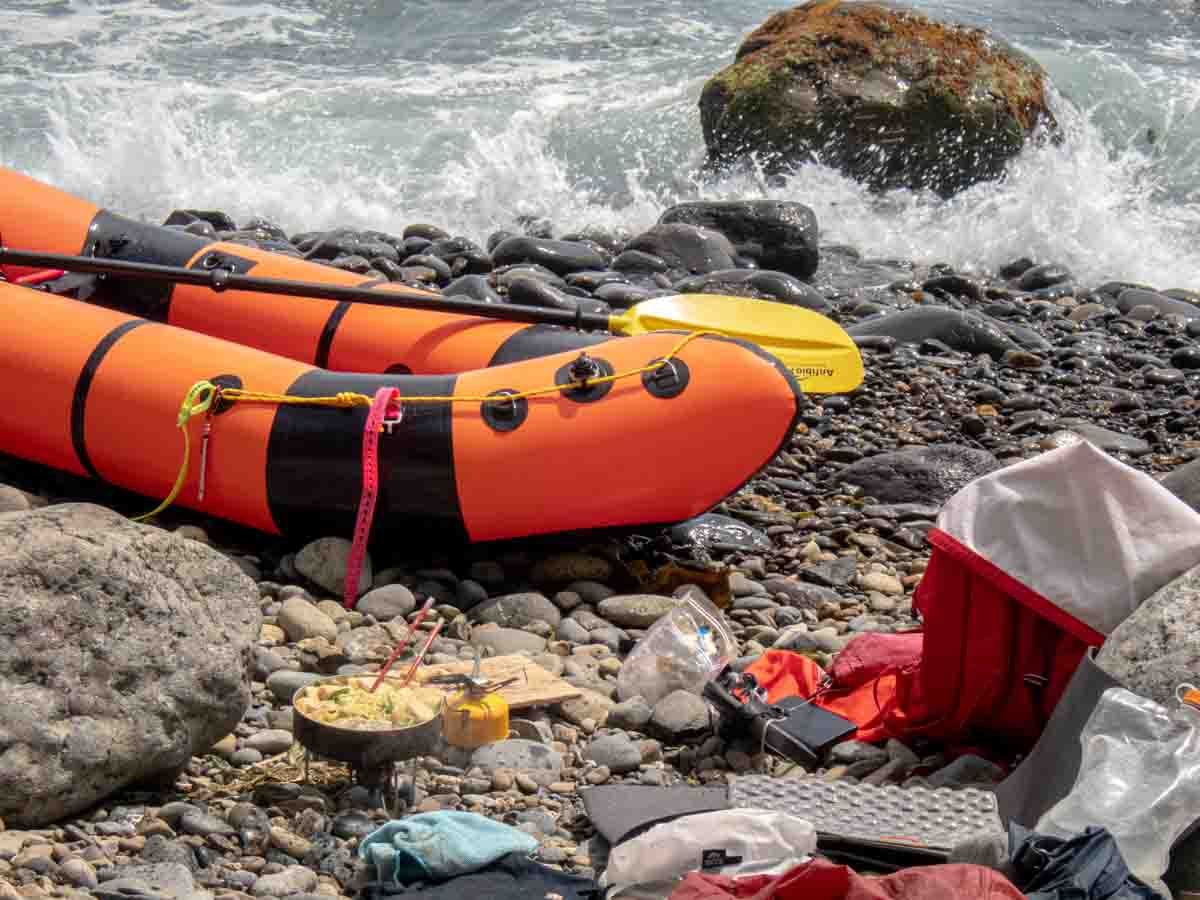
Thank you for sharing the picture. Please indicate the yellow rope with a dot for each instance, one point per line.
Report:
(197, 402)
(201, 396)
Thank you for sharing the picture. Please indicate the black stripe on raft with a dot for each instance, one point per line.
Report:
(314, 463)
(327, 333)
(325, 342)
(84, 384)
(111, 236)
(543, 340)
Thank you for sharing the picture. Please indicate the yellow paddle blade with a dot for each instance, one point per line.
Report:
(814, 348)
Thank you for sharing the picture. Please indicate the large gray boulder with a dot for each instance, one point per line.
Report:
(124, 650)
(1158, 646)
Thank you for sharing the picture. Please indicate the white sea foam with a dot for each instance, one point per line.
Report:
(562, 120)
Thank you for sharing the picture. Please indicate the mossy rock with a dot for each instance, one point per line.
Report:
(882, 93)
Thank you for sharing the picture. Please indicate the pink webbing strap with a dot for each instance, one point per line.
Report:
(38, 277)
(384, 413)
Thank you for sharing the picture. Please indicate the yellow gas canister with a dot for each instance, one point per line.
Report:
(473, 718)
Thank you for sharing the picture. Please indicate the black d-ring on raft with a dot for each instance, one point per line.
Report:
(504, 415)
(220, 404)
(668, 379)
(585, 367)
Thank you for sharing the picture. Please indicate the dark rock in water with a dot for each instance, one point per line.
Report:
(777, 234)
(956, 285)
(685, 248)
(593, 281)
(430, 261)
(267, 227)
(526, 291)
(200, 228)
(124, 651)
(557, 256)
(332, 244)
(390, 270)
(464, 256)
(476, 287)
(411, 246)
(428, 232)
(919, 475)
(496, 237)
(420, 275)
(359, 265)
(715, 530)
(536, 226)
(1043, 276)
(257, 239)
(1132, 297)
(1184, 483)
(623, 296)
(965, 332)
(606, 241)
(639, 261)
(505, 276)
(218, 220)
(1016, 268)
(755, 283)
(828, 79)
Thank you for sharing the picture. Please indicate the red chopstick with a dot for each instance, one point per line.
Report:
(412, 629)
(412, 670)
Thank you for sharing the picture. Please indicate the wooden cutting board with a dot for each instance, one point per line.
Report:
(535, 686)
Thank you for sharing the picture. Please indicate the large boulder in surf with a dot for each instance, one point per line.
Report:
(962, 331)
(124, 650)
(878, 91)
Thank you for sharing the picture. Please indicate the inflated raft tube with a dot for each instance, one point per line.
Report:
(96, 392)
(344, 337)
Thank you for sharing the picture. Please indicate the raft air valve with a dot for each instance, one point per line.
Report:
(579, 372)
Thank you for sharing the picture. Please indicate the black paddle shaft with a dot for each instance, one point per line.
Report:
(220, 279)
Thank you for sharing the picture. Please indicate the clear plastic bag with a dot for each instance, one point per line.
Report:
(683, 650)
(1139, 778)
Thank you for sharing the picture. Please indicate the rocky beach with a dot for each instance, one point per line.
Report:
(966, 372)
(161, 763)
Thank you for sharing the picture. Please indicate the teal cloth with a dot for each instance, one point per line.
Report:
(440, 845)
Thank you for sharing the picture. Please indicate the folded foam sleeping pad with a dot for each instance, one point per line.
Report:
(885, 827)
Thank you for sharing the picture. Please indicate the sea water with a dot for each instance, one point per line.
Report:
(469, 115)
